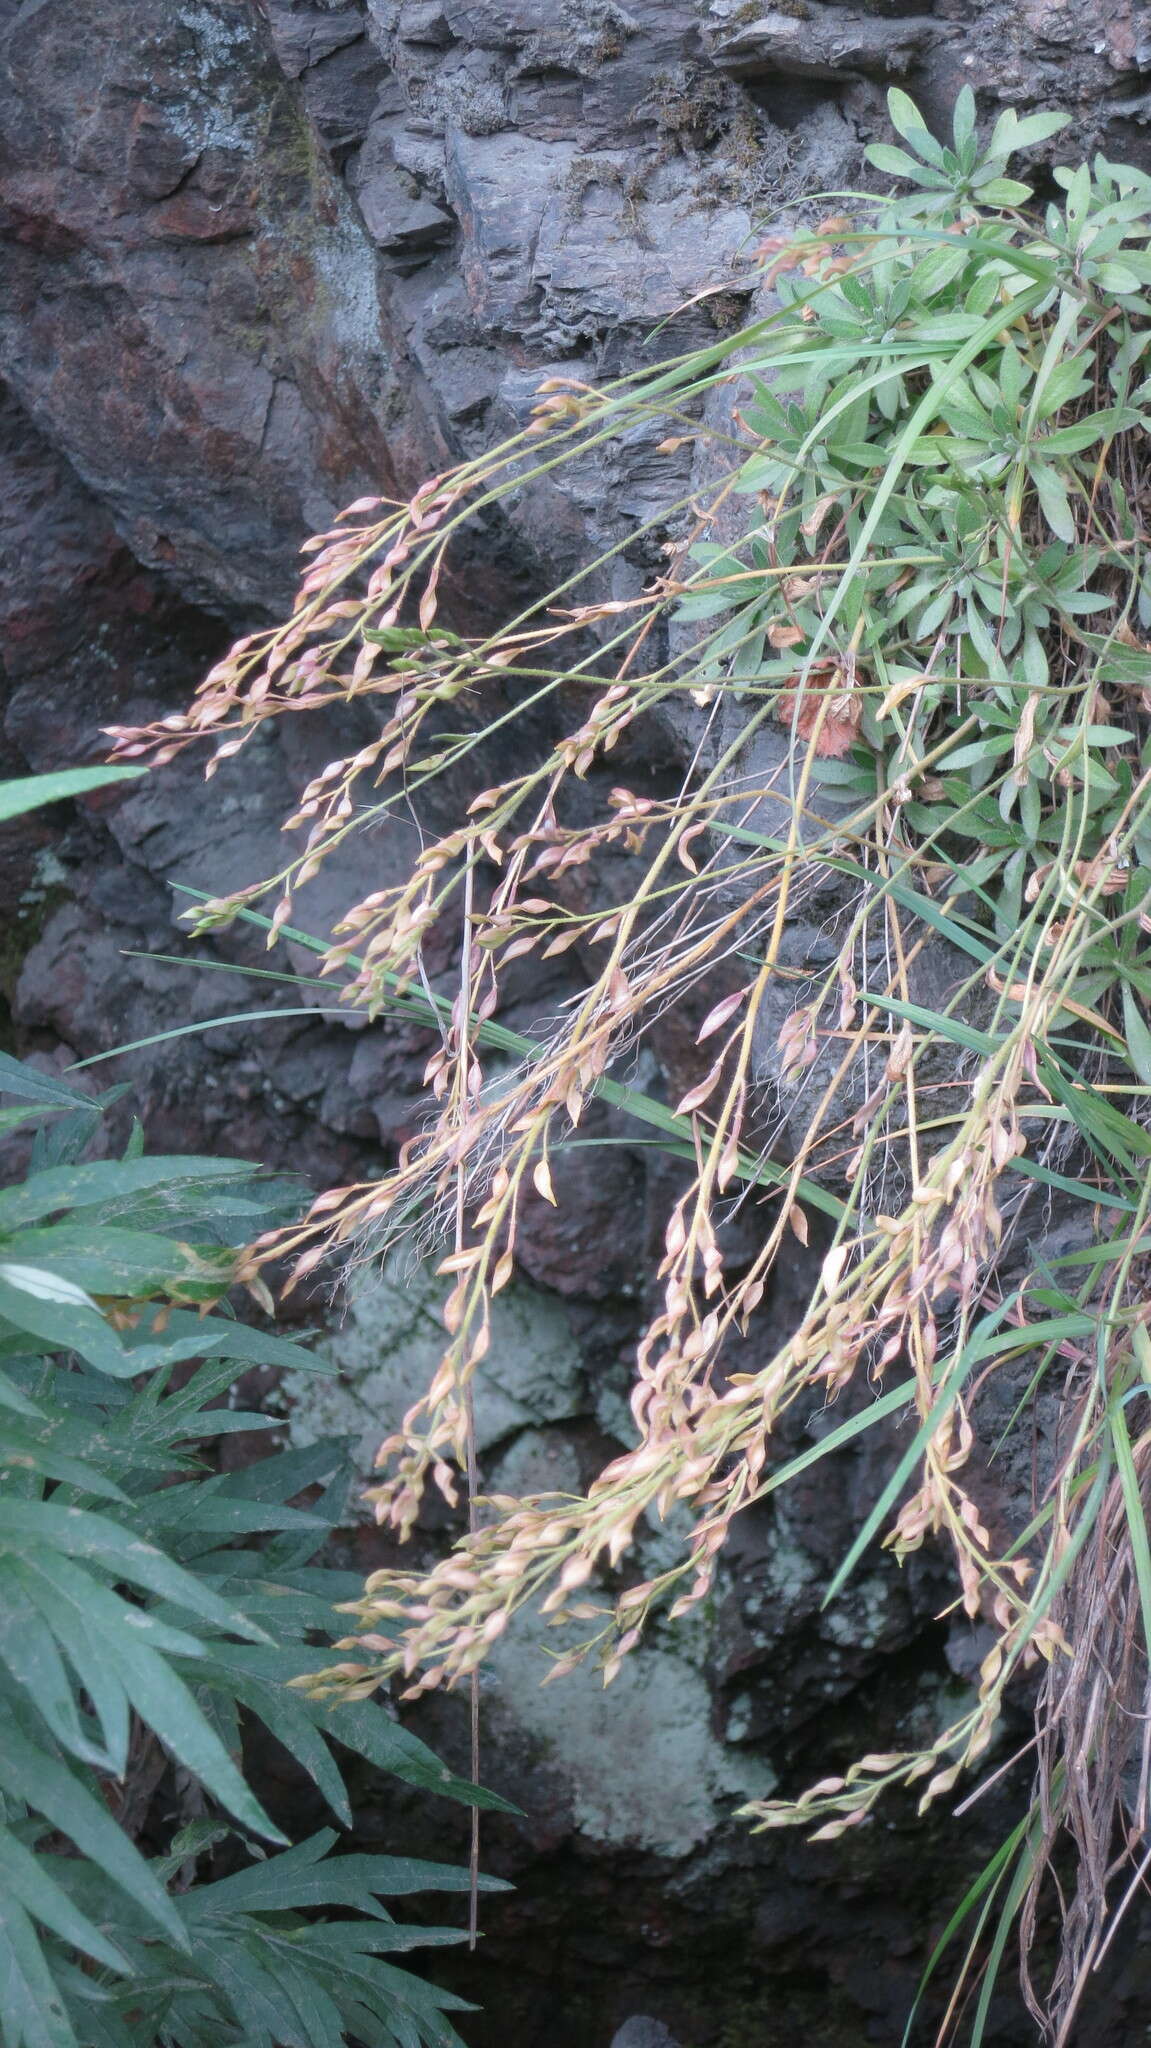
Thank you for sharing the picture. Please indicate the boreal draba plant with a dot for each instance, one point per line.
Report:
(904, 625)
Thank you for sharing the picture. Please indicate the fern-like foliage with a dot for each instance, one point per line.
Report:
(147, 1603)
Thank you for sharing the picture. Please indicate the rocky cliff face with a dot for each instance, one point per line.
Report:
(259, 256)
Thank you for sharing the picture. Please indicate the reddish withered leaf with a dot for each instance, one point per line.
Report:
(827, 707)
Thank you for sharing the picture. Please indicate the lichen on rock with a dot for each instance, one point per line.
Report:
(390, 1341)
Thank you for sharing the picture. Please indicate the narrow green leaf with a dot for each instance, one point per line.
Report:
(886, 156)
(29, 1652)
(289, 1603)
(209, 1024)
(264, 2014)
(907, 121)
(284, 1716)
(977, 751)
(59, 1314)
(1051, 1330)
(32, 792)
(188, 1336)
(1012, 132)
(1004, 192)
(77, 1634)
(1084, 433)
(287, 1473)
(32, 2011)
(1134, 1510)
(48, 1788)
(319, 2013)
(40, 1284)
(1016, 1893)
(963, 117)
(58, 1585)
(945, 1393)
(200, 1508)
(876, 1411)
(1053, 500)
(110, 1180)
(1121, 277)
(360, 1939)
(13, 1398)
(376, 1937)
(1083, 1190)
(18, 1079)
(101, 1258)
(286, 1884)
(165, 1703)
(80, 1534)
(29, 1879)
(935, 1022)
(15, 1119)
(1138, 1036)
(366, 1727)
(984, 1889)
(21, 1451)
(1099, 1121)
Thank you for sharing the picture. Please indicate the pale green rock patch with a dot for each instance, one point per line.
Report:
(391, 1341)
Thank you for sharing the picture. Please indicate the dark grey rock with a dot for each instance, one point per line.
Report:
(814, 41)
(397, 215)
(304, 35)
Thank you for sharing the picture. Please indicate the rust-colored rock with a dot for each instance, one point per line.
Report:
(190, 306)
